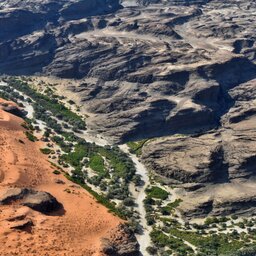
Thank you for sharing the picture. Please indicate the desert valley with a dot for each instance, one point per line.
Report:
(128, 127)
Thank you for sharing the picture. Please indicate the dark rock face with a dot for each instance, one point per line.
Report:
(26, 18)
(22, 18)
(41, 202)
(25, 225)
(37, 200)
(244, 205)
(217, 168)
(121, 243)
(173, 2)
(12, 109)
(80, 9)
(57, 8)
(12, 194)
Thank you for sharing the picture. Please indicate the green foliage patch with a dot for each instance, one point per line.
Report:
(100, 198)
(136, 146)
(158, 193)
(96, 163)
(216, 244)
(30, 136)
(47, 103)
(169, 208)
(46, 151)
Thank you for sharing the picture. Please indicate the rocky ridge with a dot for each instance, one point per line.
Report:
(218, 168)
(155, 68)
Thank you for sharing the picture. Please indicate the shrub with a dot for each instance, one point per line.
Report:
(128, 202)
(30, 136)
(137, 180)
(136, 147)
(46, 151)
(101, 199)
(158, 193)
(97, 164)
(56, 172)
(234, 217)
(151, 250)
(150, 220)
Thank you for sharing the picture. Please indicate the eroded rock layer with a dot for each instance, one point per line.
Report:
(156, 68)
(161, 68)
(217, 170)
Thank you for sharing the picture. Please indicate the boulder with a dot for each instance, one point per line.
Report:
(12, 108)
(122, 242)
(41, 201)
(37, 200)
(9, 195)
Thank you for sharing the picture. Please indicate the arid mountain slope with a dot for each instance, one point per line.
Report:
(160, 69)
(217, 168)
(156, 69)
(74, 222)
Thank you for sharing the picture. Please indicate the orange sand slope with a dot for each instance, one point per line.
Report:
(76, 230)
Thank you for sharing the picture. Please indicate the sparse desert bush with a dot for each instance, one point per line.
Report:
(152, 250)
(46, 151)
(158, 193)
(128, 202)
(30, 136)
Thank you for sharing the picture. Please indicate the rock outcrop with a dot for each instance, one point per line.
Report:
(169, 72)
(216, 168)
(121, 242)
(12, 108)
(37, 200)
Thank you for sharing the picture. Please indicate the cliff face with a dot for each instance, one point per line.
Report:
(174, 2)
(24, 17)
(216, 168)
(87, 6)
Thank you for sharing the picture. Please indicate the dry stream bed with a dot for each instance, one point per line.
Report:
(120, 181)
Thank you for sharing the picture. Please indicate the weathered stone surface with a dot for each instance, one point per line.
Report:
(41, 202)
(12, 109)
(216, 169)
(24, 225)
(59, 181)
(37, 200)
(158, 69)
(169, 72)
(122, 242)
(12, 194)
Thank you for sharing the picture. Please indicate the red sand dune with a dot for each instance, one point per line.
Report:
(77, 231)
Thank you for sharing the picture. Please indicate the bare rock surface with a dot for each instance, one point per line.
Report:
(216, 170)
(154, 69)
(37, 200)
(12, 108)
(122, 242)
